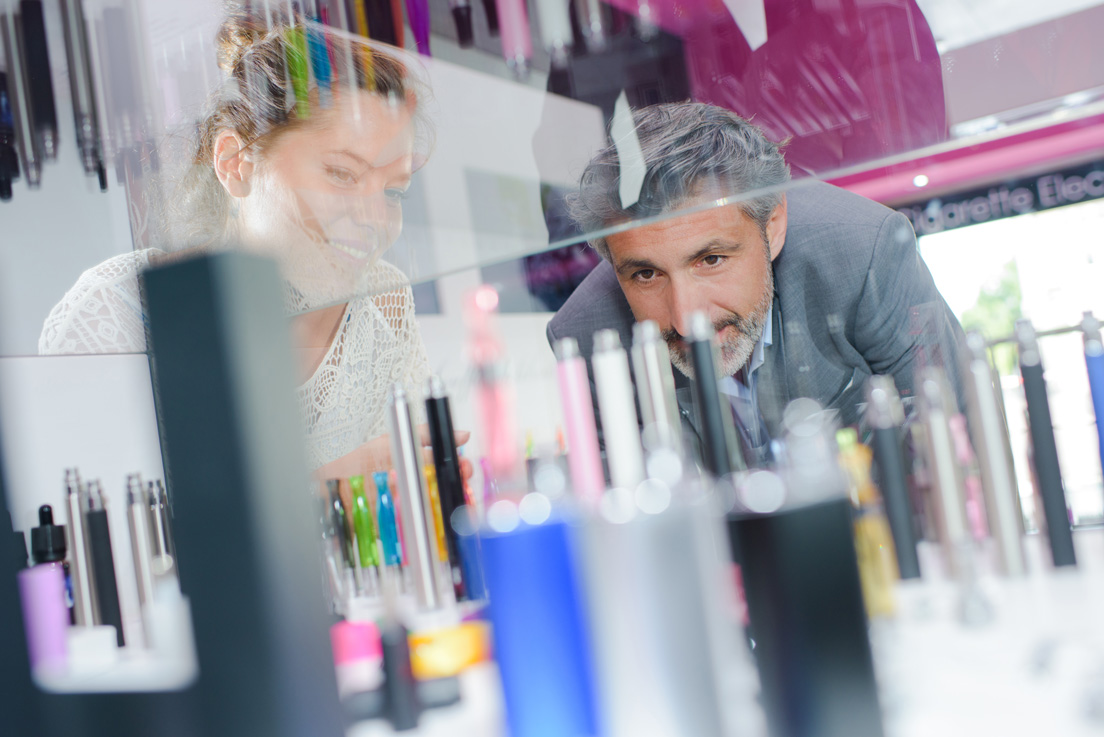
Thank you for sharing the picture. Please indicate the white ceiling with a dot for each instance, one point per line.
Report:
(958, 23)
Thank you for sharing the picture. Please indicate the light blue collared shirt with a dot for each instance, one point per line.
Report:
(738, 391)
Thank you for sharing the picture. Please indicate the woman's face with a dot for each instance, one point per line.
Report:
(326, 199)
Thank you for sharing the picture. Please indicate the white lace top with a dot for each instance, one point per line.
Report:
(344, 403)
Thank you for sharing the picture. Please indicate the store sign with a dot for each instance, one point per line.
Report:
(1007, 200)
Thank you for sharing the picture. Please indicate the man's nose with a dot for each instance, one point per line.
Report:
(682, 301)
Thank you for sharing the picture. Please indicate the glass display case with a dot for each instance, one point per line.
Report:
(449, 190)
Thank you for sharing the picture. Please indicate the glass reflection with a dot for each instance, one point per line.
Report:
(309, 168)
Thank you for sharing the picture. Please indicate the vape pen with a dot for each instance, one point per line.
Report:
(490, 9)
(662, 634)
(161, 539)
(720, 453)
(885, 416)
(804, 590)
(806, 610)
(27, 143)
(380, 20)
(450, 482)
(1002, 498)
(165, 519)
(414, 497)
(339, 520)
(517, 45)
(401, 703)
(388, 530)
(541, 641)
(584, 460)
(655, 388)
(646, 22)
(366, 539)
(397, 22)
(936, 409)
(462, 17)
(86, 612)
(615, 404)
(1094, 363)
(140, 542)
(40, 85)
(554, 20)
(873, 539)
(103, 561)
(320, 62)
(9, 159)
(417, 14)
(295, 44)
(435, 507)
(81, 85)
(589, 14)
(494, 394)
(1047, 470)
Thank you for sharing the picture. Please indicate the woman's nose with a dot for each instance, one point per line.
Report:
(369, 209)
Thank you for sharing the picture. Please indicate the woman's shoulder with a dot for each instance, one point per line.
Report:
(102, 311)
(121, 270)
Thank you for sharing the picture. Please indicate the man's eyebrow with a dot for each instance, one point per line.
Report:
(716, 246)
(634, 264)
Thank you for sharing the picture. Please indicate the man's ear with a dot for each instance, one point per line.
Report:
(776, 229)
(233, 165)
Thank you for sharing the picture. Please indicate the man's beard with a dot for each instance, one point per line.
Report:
(736, 348)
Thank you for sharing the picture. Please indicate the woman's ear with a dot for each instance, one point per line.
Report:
(233, 164)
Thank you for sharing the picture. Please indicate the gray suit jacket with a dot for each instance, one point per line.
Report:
(852, 298)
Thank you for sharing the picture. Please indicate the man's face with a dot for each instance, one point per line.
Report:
(715, 261)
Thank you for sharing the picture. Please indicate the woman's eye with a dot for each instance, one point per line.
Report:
(395, 194)
(341, 176)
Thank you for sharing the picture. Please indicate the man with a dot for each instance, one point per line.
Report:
(811, 289)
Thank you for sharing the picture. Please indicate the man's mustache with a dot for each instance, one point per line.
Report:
(675, 340)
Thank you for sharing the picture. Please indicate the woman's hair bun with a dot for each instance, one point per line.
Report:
(236, 36)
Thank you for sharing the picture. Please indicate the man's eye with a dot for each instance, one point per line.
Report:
(341, 176)
(395, 194)
(644, 275)
(713, 259)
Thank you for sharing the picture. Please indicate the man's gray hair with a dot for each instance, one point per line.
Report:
(689, 148)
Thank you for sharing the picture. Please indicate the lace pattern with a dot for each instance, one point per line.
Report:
(343, 404)
(102, 312)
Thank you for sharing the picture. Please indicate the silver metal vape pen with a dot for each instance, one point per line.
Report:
(140, 538)
(84, 593)
(1002, 497)
(414, 494)
(655, 387)
(950, 486)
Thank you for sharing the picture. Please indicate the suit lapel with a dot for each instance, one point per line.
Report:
(771, 387)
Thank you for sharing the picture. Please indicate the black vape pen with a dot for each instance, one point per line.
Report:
(1047, 470)
(885, 415)
(450, 484)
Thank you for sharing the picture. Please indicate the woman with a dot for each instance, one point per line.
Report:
(317, 183)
